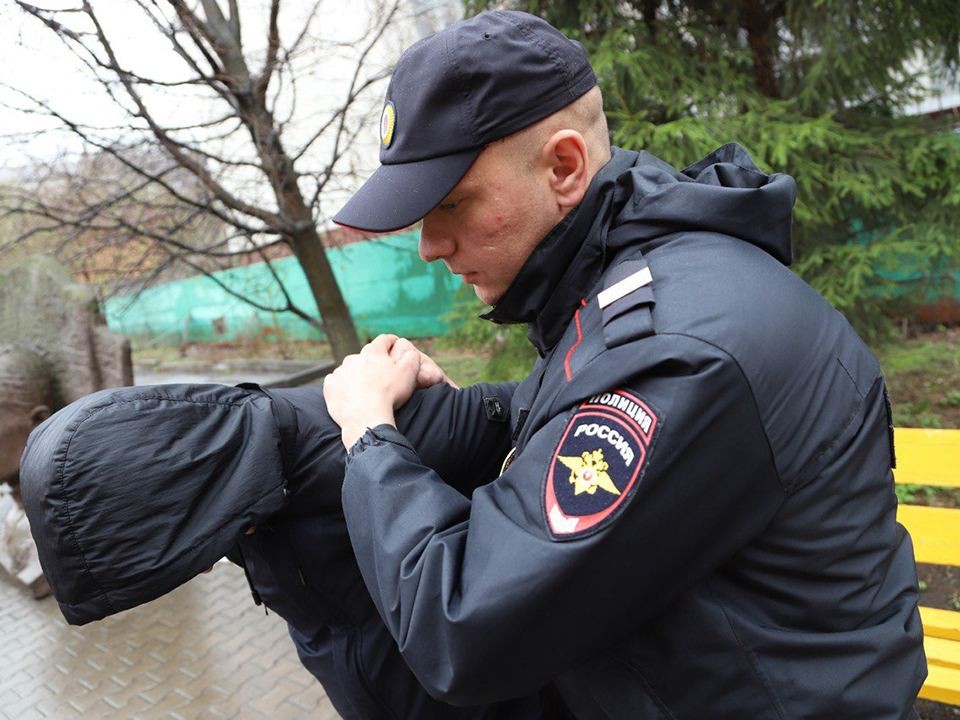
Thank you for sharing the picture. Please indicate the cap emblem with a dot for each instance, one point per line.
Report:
(388, 123)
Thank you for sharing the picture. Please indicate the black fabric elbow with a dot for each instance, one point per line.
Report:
(462, 682)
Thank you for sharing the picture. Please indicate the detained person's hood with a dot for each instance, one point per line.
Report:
(131, 492)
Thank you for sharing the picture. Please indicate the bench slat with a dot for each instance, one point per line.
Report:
(945, 653)
(928, 457)
(942, 685)
(935, 533)
(940, 623)
(932, 457)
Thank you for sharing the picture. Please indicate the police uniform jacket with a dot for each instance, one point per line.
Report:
(698, 520)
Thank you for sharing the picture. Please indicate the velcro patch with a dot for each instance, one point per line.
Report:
(598, 462)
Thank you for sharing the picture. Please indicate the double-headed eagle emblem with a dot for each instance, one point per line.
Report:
(589, 472)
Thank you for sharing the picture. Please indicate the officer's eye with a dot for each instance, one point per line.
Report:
(449, 205)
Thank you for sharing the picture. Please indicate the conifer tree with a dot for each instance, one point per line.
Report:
(816, 88)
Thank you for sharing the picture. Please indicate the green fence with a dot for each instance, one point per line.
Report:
(386, 285)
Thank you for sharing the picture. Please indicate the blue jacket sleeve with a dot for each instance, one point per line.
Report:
(314, 455)
(462, 434)
(489, 598)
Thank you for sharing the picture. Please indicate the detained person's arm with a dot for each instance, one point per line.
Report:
(462, 434)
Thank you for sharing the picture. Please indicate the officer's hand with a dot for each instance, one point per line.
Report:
(430, 373)
(365, 390)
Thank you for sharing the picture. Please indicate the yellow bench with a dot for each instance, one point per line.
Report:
(932, 457)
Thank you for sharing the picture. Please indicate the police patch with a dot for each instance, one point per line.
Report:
(598, 462)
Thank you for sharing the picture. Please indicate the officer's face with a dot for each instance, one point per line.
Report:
(487, 226)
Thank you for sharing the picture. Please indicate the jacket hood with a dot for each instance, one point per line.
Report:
(638, 198)
(725, 192)
(131, 492)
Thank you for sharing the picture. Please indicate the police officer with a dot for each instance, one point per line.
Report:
(697, 518)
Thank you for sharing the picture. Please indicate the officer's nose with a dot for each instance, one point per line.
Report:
(435, 243)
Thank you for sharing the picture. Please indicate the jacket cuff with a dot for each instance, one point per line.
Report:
(376, 436)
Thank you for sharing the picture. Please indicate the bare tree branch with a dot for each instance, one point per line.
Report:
(169, 143)
(163, 190)
(273, 47)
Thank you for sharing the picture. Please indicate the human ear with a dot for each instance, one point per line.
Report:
(568, 159)
(39, 414)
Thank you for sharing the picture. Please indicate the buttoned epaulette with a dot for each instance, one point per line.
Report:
(626, 302)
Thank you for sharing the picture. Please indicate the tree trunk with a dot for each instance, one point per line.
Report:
(759, 20)
(301, 231)
(337, 322)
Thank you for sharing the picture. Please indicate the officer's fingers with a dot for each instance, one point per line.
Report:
(409, 366)
(328, 389)
(332, 386)
(432, 374)
(344, 366)
(433, 370)
(402, 379)
(428, 376)
(381, 344)
(407, 344)
(401, 346)
(333, 381)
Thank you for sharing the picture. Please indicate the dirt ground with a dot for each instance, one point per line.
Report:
(936, 711)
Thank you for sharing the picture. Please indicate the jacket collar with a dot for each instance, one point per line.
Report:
(567, 263)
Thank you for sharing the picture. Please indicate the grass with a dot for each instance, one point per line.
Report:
(923, 377)
(212, 353)
(929, 495)
(463, 368)
(930, 351)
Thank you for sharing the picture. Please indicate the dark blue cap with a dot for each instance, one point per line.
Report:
(451, 94)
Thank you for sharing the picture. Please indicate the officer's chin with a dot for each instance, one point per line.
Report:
(487, 295)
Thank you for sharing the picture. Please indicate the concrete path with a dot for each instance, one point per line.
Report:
(202, 651)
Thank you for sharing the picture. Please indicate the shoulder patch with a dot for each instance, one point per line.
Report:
(598, 462)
